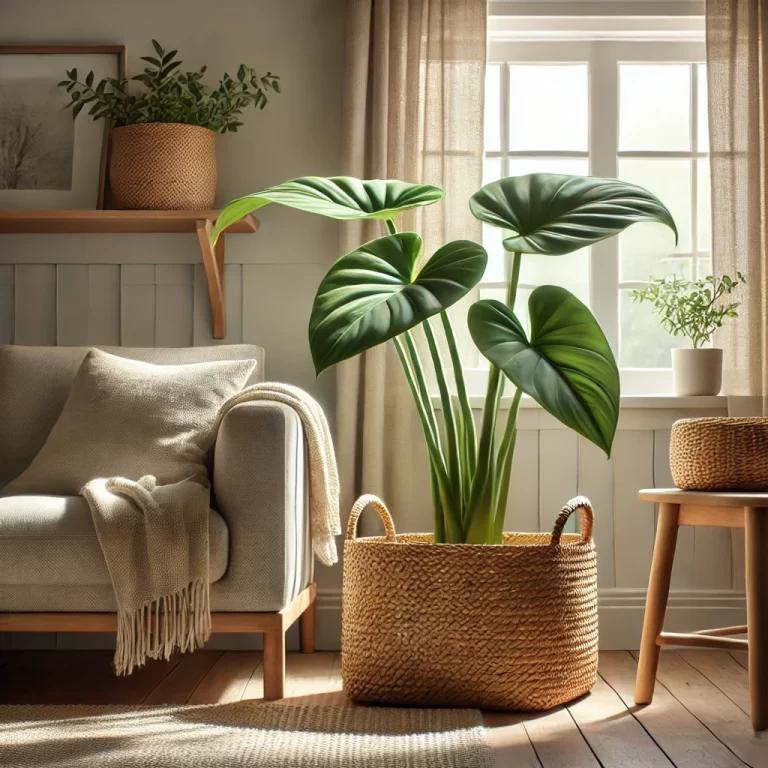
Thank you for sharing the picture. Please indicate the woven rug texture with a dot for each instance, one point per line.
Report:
(241, 734)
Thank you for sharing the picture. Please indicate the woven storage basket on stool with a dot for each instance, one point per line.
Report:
(163, 167)
(510, 626)
(718, 453)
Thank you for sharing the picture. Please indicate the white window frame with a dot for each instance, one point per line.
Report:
(603, 58)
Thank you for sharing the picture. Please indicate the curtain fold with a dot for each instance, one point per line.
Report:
(413, 110)
(737, 67)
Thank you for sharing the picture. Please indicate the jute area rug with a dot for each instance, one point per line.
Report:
(241, 734)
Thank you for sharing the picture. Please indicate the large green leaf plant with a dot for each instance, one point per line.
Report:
(382, 292)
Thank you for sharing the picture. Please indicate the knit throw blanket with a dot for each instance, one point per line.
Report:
(155, 539)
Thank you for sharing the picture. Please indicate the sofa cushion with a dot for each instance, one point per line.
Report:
(35, 384)
(50, 540)
(126, 418)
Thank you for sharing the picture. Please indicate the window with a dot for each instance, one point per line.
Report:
(634, 110)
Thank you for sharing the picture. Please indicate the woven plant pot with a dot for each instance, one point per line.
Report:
(511, 626)
(718, 453)
(163, 167)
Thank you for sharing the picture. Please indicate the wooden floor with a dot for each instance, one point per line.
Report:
(699, 717)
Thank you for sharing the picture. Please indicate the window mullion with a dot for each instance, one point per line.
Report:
(603, 146)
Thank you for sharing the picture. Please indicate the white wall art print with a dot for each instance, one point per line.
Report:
(49, 160)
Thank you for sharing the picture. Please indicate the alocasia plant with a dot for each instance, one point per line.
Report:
(378, 293)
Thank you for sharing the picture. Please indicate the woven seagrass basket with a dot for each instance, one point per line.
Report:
(718, 453)
(510, 626)
(163, 167)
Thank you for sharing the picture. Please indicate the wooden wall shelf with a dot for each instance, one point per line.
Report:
(138, 222)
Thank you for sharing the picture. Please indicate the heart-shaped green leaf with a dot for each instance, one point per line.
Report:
(339, 197)
(567, 366)
(374, 294)
(552, 214)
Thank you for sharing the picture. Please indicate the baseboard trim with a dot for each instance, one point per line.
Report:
(621, 612)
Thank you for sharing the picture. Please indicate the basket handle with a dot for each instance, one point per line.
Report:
(587, 518)
(369, 500)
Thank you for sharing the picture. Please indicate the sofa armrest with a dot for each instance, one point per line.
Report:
(260, 489)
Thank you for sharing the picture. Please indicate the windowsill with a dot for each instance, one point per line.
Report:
(628, 402)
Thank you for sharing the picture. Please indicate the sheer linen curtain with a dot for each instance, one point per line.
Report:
(737, 71)
(413, 110)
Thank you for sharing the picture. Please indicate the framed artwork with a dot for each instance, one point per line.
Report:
(49, 160)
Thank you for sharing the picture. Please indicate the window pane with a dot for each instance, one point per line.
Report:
(491, 169)
(648, 249)
(492, 237)
(493, 108)
(703, 194)
(519, 166)
(548, 106)
(643, 342)
(702, 144)
(570, 271)
(654, 107)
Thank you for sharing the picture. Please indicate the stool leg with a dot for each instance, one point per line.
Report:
(656, 602)
(757, 613)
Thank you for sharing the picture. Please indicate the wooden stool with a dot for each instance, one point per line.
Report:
(725, 510)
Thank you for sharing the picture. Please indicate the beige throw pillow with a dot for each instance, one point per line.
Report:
(129, 419)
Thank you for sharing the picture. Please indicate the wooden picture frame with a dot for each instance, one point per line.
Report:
(119, 51)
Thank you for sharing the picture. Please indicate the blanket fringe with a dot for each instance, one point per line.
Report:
(179, 621)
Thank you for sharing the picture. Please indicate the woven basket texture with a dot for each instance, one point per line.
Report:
(511, 626)
(727, 454)
(163, 167)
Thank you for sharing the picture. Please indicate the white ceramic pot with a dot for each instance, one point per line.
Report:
(697, 371)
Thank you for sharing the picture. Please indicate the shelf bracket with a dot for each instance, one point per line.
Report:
(213, 261)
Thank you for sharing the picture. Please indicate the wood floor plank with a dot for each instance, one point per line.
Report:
(227, 679)
(721, 669)
(679, 734)
(76, 677)
(509, 741)
(178, 685)
(742, 657)
(713, 708)
(308, 675)
(558, 741)
(615, 736)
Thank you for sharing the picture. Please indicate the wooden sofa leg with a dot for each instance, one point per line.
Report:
(307, 629)
(274, 664)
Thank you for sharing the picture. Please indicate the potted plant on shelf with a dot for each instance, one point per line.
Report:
(694, 309)
(469, 615)
(163, 143)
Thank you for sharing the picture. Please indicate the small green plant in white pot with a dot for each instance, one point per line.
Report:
(694, 309)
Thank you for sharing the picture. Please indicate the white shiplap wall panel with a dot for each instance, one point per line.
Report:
(72, 299)
(558, 475)
(174, 305)
(596, 483)
(523, 501)
(104, 304)
(6, 304)
(35, 304)
(137, 305)
(633, 520)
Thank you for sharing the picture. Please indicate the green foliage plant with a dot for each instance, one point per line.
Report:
(170, 95)
(382, 291)
(694, 309)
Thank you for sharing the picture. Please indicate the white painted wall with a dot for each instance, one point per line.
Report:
(145, 290)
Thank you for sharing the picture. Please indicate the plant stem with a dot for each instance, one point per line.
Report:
(504, 466)
(391, 226)
(451, 437)
(470, 438)
(481, 506)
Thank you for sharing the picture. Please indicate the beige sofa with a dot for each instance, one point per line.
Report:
(52, 574)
